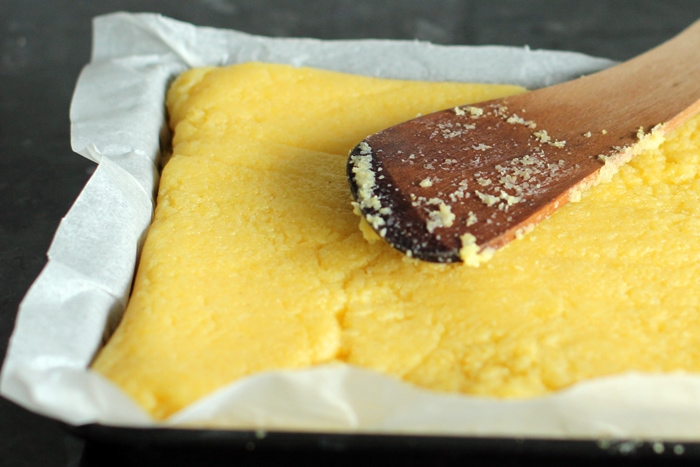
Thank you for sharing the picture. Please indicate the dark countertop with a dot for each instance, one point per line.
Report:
(44, 44)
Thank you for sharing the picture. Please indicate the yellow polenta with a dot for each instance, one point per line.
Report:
(255, 261)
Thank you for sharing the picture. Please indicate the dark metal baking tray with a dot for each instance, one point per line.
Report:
(166, 446)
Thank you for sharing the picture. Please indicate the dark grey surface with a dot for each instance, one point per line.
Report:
(44, 44)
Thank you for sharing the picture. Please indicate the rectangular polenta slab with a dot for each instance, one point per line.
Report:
(254, 260)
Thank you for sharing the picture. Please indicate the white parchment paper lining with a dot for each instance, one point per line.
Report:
(118, 121)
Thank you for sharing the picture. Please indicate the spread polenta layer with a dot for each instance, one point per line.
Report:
(255, 262)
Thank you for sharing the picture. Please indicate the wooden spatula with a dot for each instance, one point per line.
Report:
(459, 184)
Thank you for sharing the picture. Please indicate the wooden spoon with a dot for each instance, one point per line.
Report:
(458, 184)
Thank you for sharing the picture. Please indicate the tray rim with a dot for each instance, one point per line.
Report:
(242, 440)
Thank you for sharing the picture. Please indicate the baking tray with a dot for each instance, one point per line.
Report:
(180, 444)
(187, 447)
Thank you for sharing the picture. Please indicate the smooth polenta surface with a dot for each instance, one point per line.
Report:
(255, 262)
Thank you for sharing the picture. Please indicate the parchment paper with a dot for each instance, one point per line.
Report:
(118, 121)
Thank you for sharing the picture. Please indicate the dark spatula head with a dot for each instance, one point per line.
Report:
(476, 175)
